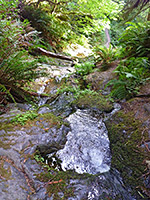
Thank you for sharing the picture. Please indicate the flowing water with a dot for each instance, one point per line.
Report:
(87, 147)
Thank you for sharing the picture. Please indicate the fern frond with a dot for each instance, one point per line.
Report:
(3, 89)
(119, 92)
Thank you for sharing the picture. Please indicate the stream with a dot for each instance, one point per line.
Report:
(82, 149)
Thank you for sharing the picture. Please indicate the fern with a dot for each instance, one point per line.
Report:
(17, 67)
(3, 89)
(132, 73)
(119, 90)
(136, 39)
(104, 53)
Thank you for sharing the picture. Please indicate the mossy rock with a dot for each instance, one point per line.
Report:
(53, 121)
(56, 183)
(43, 121)
(99, 79)
(126, 135)
(61, 182)
(94, 101)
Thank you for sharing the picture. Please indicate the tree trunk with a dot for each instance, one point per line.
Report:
(148, 16)
(108, 38)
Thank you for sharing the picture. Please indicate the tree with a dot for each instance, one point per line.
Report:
(133, 8)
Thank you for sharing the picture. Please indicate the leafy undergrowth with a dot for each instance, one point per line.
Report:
(17, 67)
(126, 136)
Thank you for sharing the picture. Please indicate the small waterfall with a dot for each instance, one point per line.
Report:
(42, 100)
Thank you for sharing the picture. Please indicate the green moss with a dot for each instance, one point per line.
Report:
(94, 101)
(24, 117)
(52, 119)
(126, 135)
(5, 174)
(5, 145)
(56, 182)
(6, 126)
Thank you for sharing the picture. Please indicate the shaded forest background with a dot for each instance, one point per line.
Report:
(53, 25)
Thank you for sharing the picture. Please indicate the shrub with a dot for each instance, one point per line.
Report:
(136, 39)
(54, 28)
(135, 70)
(84, 68)
(132, 73)
(104, 56)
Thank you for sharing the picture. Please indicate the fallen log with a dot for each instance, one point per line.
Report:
(47, 53)
(54, 55)
(143, 95)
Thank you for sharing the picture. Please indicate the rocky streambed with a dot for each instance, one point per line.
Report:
(65, 150)
(76, 161)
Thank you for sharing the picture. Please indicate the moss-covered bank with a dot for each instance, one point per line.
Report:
(126, 136)
(94, 101)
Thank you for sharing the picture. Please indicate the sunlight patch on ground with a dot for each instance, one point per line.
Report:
(78, 50)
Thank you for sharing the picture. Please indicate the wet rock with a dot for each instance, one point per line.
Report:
(44, 109)
(83, 148)
(14, 186)
(147, 108)
(62, 105)
(109, 186)
(12, 155)
(9, 115)
(18, 146)
(21, 106)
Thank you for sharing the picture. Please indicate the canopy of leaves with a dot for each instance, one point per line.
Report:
(63, 21)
